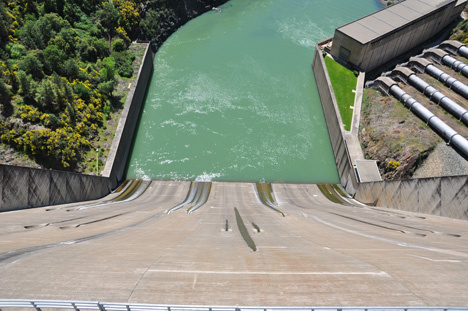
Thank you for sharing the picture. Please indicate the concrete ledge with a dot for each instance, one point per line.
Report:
(335, 126)
(402, 73)
(435, 54)
(451, 46)
(123, 139)
(420, 64)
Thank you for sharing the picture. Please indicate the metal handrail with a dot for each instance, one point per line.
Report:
(112, 306)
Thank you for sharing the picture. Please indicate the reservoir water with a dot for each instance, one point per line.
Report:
(233, 96)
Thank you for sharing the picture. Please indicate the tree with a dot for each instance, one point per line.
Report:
(5, 99)
(118, 45)
(45, 94)
(123, 62)
(30, 64)
(82, 92)
(71, 69)
(27, 87)
(108, 69)
(16, 50)
(54, 6)
(54, 57)
(129, 12)
(5, 22)
(108, 16)
(108, 81)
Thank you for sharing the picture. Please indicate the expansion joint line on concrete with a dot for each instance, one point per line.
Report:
(197, 196)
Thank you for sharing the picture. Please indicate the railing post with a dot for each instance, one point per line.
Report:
(101, 307)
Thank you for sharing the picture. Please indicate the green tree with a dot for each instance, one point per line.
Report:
(27, 88)
(16, 50)
(108, 69)
(82, 92)
(5, 99)
(118, 45)
(31, 64)
(71, 69)
(69, 37)
(5, 22)
(108, 16)
(45, 94)
(123, 63)
(54, 6)
(54, 57)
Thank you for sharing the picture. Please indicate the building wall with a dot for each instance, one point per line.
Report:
(24, 187)
(371, 55)
(334, 124)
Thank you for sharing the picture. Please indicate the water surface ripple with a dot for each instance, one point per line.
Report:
(233, 97)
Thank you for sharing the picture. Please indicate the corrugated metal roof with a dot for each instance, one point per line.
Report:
(384, 21)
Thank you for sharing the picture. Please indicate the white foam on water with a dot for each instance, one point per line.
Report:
(186, 125)
(302, 31)
(149, 136)
(141, 174)
(207, 176)
(205, 95)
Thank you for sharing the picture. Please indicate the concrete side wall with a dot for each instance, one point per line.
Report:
(371, 55)
(122, 143)
(447, 196)
(334, 124)
(24, 187)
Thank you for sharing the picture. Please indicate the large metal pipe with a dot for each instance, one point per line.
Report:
(455, 64)
(456, 110)
(445, 131)
(450, 82)
(463, 50)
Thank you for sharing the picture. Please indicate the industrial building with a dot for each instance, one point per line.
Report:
(373, 40)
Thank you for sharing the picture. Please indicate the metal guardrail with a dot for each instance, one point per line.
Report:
(39, 305)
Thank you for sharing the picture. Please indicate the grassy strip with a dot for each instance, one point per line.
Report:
(344, 82)
(243, 231)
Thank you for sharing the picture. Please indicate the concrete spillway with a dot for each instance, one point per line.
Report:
(135, 249)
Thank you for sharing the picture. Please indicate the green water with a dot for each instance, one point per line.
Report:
(233, 97)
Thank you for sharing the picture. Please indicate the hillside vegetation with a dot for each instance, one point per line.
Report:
(60, 64)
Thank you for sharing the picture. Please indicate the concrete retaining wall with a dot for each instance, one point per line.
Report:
(334, 124)
(123, 139)
(445, 196)
(24, 187)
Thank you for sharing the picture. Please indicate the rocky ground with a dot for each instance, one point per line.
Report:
(404, 146)
(392, 135)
